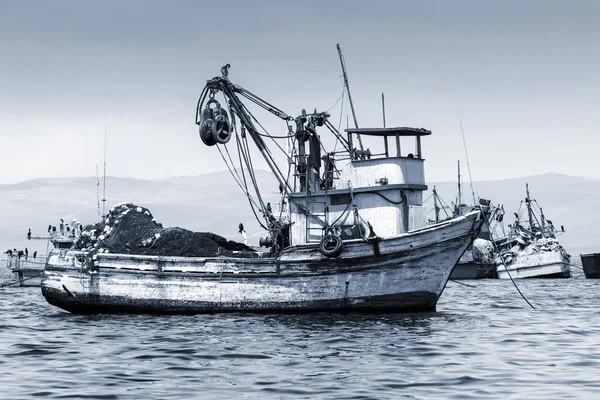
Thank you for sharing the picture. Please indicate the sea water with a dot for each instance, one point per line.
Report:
(484, 341)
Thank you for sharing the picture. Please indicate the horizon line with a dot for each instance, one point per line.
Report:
(264, 170)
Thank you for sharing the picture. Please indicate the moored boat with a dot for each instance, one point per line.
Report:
(591, 265)
(345, 237)
(28, 269)
(533, 251)
(479, 260)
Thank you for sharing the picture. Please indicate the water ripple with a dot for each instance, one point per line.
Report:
(484, 342)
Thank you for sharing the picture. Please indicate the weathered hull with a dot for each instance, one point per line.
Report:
(552, 264)
(591, 265)
(473, 270)
(27, 272)
(29, 277)
(405, 273)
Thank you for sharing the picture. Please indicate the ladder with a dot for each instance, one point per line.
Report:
(316, 219)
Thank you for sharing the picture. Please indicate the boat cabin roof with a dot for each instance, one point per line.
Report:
(404, 131)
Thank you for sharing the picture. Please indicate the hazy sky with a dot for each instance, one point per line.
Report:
(524, 74)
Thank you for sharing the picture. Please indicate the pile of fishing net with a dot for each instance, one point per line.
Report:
(483, 251)
(131, 229)
(541, 245)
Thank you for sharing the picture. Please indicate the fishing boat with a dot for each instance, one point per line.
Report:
(591, 265)
(349, 234)
(533, 251)
(28, 269)
(478, 261)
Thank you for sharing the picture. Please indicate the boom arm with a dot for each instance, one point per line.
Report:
(229, 90)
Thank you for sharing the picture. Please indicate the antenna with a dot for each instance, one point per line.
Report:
(383, 108)
(98, 191)
(459, 201)
(104, 179)
(339, 49)
(467, 156)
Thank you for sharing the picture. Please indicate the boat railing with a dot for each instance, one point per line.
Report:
(15, 262)
(385, 133)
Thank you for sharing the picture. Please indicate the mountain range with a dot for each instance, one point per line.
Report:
(215, 203)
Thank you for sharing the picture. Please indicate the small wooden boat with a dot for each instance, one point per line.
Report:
(29, 269)
(405, 273)
(350, 233)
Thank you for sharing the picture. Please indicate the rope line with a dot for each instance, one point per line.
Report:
(504, 264)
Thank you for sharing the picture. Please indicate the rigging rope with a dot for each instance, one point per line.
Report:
(241, 153)
(338, 100)
(20, 280)
(461, 283)
(267, 135)
(467, 156)
(504, 264)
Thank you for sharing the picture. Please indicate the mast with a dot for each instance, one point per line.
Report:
(339, 49)
(529, 210)
(459, 191)
(98, 191)
(104, 179)
(435, 205)
(383, 107)
(542, 217)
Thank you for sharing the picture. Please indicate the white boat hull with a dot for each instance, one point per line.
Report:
(553, 264)
(29, 277)
(27, 272)
(405, 273)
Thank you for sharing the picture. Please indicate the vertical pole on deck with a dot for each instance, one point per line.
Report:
(529, 210)
(385, 138)
(339, 49)
(459, 208)
(104, 179)
(383, 107)
(435, 205)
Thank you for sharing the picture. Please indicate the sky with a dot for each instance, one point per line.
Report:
(521, 75)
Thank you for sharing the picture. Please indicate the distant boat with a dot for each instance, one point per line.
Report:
(533, 251)
(478, 261)
(29, 270)
(351, 237)
(591, 265)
